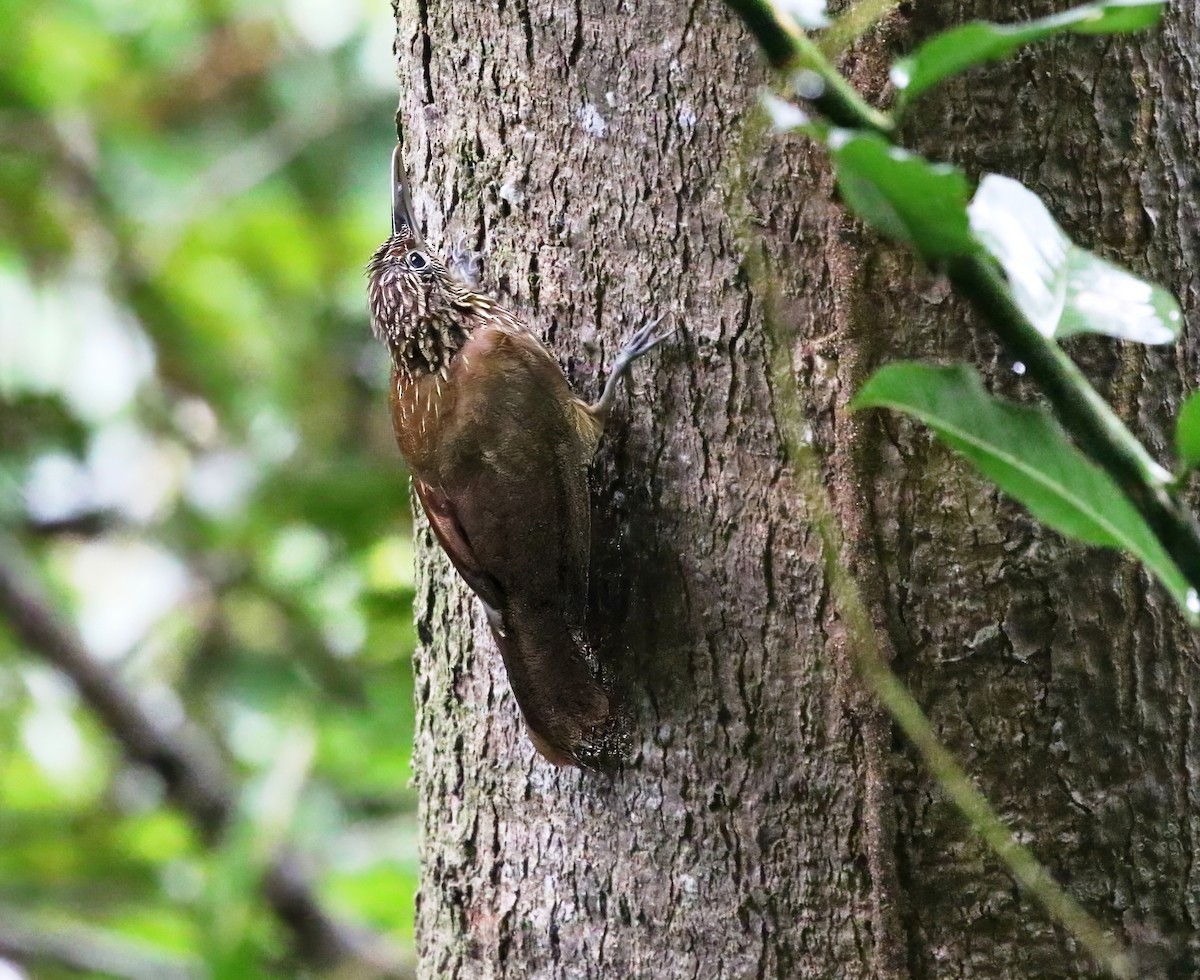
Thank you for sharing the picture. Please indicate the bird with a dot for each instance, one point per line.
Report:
(499, 447)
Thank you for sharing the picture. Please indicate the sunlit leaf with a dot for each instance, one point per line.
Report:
(64, 60)
(903, 195)
(960, 48)
(785, 116)
(1187, 432)
(1062, 288)
(808, 14)
(1025, 453)
(377, 893)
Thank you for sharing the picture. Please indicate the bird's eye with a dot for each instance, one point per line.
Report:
(417, 261)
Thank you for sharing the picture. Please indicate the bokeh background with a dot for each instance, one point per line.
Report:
(196, 466)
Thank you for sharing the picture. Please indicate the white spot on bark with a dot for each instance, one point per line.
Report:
(686, 118)
(509, 191)
(593, 123)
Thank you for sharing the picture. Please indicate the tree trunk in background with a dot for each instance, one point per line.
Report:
(1063, 679)
(767, 824)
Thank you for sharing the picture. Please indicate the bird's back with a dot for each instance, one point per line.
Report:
(500, 456)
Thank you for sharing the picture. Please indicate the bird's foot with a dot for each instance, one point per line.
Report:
(464, 263)
(640, 344)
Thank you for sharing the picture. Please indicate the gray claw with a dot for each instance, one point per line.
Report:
(642, 342)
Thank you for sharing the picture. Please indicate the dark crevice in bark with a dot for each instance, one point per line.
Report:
(426, 49)
(576, 36)
(526, 26)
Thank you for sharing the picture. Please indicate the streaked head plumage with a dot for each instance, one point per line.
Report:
(410, 292)
(405, 285)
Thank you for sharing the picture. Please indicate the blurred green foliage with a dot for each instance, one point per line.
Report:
(195, 459)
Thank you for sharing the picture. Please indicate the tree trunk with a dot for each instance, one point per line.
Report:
(610, 165)
(1061, 675)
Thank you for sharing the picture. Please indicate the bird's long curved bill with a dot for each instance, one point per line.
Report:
(403, 217)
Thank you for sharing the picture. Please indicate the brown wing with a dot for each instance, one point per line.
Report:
(509, 502)
(513, 471)
(457, 546)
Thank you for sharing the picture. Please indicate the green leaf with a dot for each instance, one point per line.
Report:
(902, 195)
(1025, 453)
(954, 51)
(1062, 288)
(1187, 432)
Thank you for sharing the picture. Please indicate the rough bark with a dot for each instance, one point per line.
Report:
(1061, 675)
(604, 159)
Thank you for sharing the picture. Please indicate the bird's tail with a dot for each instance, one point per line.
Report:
(571, 718)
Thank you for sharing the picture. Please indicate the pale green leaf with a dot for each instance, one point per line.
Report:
(1062, 288)
(958, 49)
(1187, 432)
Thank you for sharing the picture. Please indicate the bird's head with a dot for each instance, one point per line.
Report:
(409, 290)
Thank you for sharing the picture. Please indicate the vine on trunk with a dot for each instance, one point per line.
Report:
(1076, 467)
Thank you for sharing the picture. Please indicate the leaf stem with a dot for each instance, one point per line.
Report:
(870, 661)
(955, 783)
(791, 51)
(1084, 414)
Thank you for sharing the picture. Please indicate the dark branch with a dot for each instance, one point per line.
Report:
(196, 780)
(88, 524)
(86, 950)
